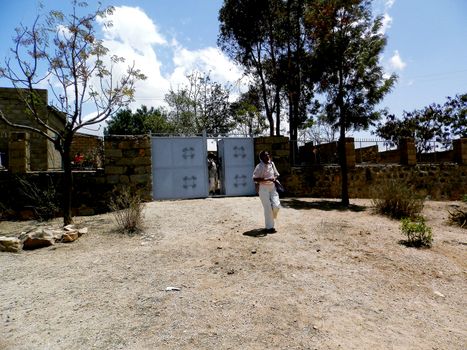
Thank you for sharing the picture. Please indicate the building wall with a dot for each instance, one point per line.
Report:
(43, 155)
(128, 163)
(91, 147)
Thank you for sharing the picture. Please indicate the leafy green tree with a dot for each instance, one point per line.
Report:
(429, 125)
(422, 125)
(348, 47)
(201, 105)
(143, 121)
(455, 112)
(297, 65)
(246, 113)
(249, 35)
(79, 71)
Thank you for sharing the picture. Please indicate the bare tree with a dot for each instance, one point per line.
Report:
(64, 52)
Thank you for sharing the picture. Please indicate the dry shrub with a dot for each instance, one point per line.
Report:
(458, 217)
(396, 200)
(42, 200)
(127, 208)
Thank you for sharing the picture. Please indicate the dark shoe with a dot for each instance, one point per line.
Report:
(271, 230)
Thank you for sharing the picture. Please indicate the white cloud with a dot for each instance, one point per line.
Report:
(136, 37)
(396, 62)
(386, 23)
(209, 60)
(389, 3)
(133, 27)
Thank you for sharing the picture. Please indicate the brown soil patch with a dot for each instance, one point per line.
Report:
(328, 279)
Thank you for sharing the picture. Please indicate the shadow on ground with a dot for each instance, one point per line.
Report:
(259, 232)
(320, 205)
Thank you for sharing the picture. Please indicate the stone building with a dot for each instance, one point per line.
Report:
(42, 153)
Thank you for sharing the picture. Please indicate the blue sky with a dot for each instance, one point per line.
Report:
(427, 44)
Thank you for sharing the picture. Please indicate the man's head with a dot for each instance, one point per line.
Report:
(264, 156)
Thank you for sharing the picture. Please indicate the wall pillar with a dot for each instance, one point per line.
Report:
(128, 162)
(19, 153)
(407, 151)
(350, 152)
(460, 150)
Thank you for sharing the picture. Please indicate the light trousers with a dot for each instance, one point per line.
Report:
(271, 204)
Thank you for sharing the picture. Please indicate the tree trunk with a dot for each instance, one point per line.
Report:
(344, 170)
(342, 152)
(67, 182)
(277, 99)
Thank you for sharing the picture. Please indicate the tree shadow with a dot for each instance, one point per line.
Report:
(325, 205)
(259, 232)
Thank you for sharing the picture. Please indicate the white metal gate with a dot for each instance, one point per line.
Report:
(179, 167)
(237, 159)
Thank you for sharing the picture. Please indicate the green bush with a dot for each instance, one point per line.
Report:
(417, 232)
(396, 200)
(127, 208)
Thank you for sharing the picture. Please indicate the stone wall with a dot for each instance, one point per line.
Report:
(367, 154)
(439, 181)
(19, 152)
(43, 155)
(128, 162)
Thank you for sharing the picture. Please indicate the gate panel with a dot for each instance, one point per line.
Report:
(237, 157)
(179, 167)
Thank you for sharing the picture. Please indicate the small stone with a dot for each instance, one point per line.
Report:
(69, 236)
(82, 231)
(10, 244)
(253, 251)
(38, 239)
(439, 294)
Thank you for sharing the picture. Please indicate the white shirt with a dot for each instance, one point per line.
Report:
(265, 171)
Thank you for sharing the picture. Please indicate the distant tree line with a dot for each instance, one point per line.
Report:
(429, 125)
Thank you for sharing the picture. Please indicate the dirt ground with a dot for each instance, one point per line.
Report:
(328, 279)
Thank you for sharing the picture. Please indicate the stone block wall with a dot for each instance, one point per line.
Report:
(19, 152)
(408, 152)
(389, 157)
(367, 154)
(91, 147)
(460, 150)
(14, 109)
(128, 162)
(438, 181)
(83, 143)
